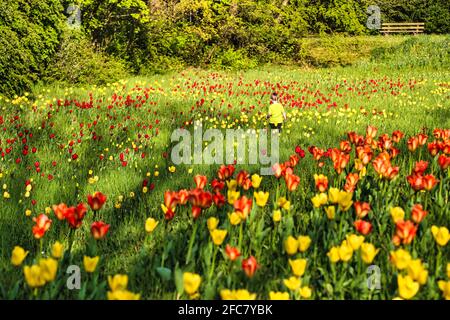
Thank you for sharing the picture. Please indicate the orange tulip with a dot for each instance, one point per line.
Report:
(232, 252)
(362, 209)
(292, 181)
(422, 138)
(405, 231)
(397, 136)
(371, 132)
(413, 143)
(351, 181)
(321, 182)
(433, 148)
(429, 182)
(59, 210)
(42, 225)
(200, 181)
(417, 213)
(243, 206)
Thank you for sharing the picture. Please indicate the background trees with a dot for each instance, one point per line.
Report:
(147, 36)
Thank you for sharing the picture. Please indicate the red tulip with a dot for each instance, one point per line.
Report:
(225, 172)
(75, 215)
(444, 161)
(96, 201)
(99, 229)
(363, 227)
(249, 266)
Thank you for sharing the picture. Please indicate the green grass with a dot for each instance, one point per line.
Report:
(417, 70)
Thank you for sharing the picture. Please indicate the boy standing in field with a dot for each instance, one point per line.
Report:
(276, 114)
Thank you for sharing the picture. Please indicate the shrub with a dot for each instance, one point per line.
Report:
(77, 61)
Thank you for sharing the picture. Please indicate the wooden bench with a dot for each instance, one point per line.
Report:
(406, 27)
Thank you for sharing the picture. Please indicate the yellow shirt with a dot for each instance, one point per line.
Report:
(276, 111)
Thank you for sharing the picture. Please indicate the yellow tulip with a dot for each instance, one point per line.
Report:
(368, 252)
(293, 283)
(218, 236)
(355, 241)
(276, 217)
(305, 292)
(234, 218)
(448, 270)
(441, 235)
(417, 271)
(256, 181)
(298, 266)
(400, 258)
(345, 200)
(319, 199)
(212, 223)
(407, 287)
(172, 169)
(278, 295)
(333, 254)
(333, 195)
(118, 282)
(232, 196)
(397, 214)
(49, 267)
(232, 184)
(240, 294)
(445, 288)
(57, 250)
(90, 264)
(345, 251)
(284, 203)
(331, 212)
(18, 255)
(151, 224)
(261, 198)
(33, 276)
(303, 243)
(122, 295)
(191, 282)
(291, 245)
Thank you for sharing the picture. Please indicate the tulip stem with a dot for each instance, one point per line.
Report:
(191, 242)
(240, 235)
(213, 262)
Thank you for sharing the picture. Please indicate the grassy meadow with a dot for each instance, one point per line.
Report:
(59, 144)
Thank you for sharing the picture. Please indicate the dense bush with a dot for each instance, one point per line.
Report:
(78, 61)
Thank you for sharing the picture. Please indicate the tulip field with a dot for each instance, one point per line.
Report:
(93, 207)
